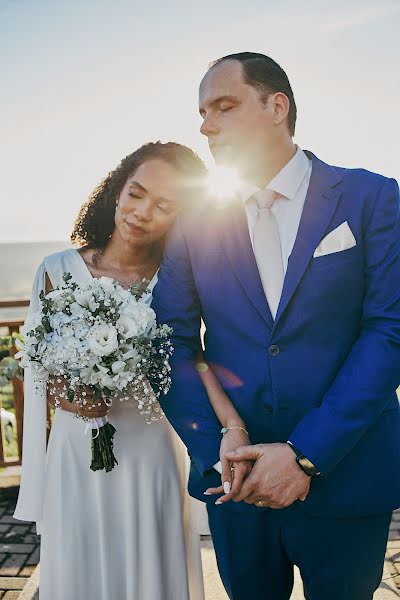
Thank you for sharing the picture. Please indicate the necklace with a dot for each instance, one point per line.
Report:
(138, 281)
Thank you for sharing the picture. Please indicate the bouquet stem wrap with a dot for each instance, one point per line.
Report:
(102, 445)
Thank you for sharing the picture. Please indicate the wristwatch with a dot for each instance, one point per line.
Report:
(304, 463)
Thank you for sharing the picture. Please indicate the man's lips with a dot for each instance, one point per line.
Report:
(135, 228)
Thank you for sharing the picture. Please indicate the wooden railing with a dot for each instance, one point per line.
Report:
(13, 326)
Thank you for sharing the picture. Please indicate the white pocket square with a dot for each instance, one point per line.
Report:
(339, 239)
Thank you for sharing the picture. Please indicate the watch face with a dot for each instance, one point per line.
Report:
(307, 466)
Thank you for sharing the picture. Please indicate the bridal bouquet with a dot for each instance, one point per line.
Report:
(100, 335)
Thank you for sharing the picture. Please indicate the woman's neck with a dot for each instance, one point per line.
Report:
(123, 256)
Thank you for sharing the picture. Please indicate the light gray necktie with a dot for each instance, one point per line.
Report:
(267, 248)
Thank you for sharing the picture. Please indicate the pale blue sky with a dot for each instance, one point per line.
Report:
(83, 83)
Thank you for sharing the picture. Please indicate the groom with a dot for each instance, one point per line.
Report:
(298, 283)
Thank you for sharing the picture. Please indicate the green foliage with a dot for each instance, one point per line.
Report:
(9, 367)
(7, 402)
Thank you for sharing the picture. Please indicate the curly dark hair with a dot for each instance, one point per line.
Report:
(95, 222)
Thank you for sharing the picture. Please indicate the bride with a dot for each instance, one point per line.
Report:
(123, 535)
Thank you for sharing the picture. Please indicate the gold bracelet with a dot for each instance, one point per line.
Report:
(226, 429)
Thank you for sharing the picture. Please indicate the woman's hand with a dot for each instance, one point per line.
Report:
(56, 390)
(233, 474)
(91, 409)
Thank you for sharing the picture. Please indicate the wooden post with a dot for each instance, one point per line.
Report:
(18, 388)
(19, 413)
(2, 462)
(13, 326)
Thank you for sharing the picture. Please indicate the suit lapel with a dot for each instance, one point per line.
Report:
(320, 204)
(235, 240)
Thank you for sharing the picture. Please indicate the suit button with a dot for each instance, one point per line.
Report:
(268, 409)
(274, 350)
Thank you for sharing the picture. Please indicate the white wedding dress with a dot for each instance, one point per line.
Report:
(123, 535)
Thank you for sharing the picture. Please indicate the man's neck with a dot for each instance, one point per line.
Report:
(269, 164)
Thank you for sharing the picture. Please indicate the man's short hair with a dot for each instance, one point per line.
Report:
(263, 73)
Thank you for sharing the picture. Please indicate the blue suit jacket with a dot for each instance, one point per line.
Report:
(329, 384)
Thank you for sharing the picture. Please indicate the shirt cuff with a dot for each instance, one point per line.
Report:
(218, 467)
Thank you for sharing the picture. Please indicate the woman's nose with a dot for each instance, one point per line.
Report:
(144, 210)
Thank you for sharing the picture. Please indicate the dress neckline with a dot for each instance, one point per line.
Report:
(80, 258)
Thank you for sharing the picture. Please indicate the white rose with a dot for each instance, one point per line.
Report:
(58, 299)
(89, 376)
(129, 353)
(107, 381)
(82, 297)
(107, 284)
(32, 322)
(102, 340)
(127, 326)
(118, 366)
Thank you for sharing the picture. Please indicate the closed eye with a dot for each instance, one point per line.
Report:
(164, 209)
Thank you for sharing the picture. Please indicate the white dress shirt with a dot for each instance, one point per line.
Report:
(291, 183)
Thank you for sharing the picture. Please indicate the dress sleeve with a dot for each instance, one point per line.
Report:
(30, 500)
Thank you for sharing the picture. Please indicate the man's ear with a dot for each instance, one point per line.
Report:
(281, 106)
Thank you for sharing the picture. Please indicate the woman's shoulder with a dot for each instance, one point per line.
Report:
(61, 257)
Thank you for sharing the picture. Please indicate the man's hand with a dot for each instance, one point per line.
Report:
(276, 479)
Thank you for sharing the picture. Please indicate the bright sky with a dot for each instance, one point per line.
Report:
(85, 82)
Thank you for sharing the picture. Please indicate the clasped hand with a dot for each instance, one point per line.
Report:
(266, 473)
(91, 409)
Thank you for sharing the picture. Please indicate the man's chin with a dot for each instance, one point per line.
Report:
(223, 156)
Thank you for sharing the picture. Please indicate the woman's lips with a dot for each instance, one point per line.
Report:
(135, 228)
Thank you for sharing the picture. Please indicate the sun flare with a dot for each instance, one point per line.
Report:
(223, 182)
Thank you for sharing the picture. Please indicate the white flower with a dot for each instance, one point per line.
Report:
(118, 366)
(77, 309)
(129, 353)
(103, 340)
(137, 319)
(58, 298)
(89, 376)
(106, 381)
(82, 296)
(20, 346)
(93, 305)
(32, 322)
(67, 331)
(42, 346)
(107, 284)
(127, 327)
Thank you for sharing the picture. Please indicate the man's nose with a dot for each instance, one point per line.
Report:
(209, 126)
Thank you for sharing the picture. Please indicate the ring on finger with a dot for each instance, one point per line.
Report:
(260, 504)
